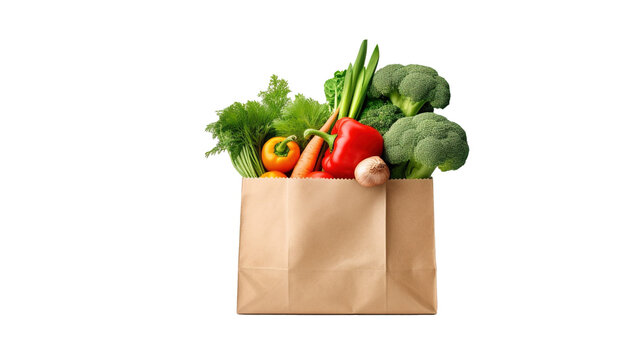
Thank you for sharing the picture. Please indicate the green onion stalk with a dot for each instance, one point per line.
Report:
(356, 82)
(247, 162)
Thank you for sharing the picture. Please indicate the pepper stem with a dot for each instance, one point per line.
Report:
(281, 149)
(328, 138)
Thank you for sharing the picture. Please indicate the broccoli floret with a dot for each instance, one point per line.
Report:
(372, 103)
(411, 87)
(416, 145)
(380, 114)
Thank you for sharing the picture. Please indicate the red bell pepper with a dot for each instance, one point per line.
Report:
(319, 175)
(349, 143)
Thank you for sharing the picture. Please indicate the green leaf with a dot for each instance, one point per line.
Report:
(333, 88)
(303, 113)
(276, 97)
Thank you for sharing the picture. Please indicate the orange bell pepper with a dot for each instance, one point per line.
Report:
(280, 154)
(274, 174)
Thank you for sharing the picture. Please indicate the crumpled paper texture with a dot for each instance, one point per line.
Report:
(320, 246)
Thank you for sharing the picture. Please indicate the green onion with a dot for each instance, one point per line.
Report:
(347, 93)
(364, 81)
(359, 61)
(357, 81)
(357, 98)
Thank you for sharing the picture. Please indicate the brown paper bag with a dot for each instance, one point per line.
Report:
(320, 246)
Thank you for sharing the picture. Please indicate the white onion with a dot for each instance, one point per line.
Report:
(372, 171)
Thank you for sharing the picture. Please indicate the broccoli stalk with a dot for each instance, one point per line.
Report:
(406, 104)
(417, 170)
(411, 170)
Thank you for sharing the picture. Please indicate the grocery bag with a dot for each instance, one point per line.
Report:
(331, 246)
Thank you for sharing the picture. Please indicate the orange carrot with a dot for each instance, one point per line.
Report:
(308, 157)
(320, 157)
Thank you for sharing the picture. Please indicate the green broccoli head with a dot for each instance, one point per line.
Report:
(380, 114)
(411, 87)
(372, 103)
(416, 145)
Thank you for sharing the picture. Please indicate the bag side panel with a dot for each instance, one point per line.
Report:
(410, 247)
(263, 247)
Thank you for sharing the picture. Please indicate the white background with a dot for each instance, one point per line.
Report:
(118, 239)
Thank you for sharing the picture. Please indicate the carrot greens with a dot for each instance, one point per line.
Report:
(243, 128)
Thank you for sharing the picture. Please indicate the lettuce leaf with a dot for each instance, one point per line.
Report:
(333, 88)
